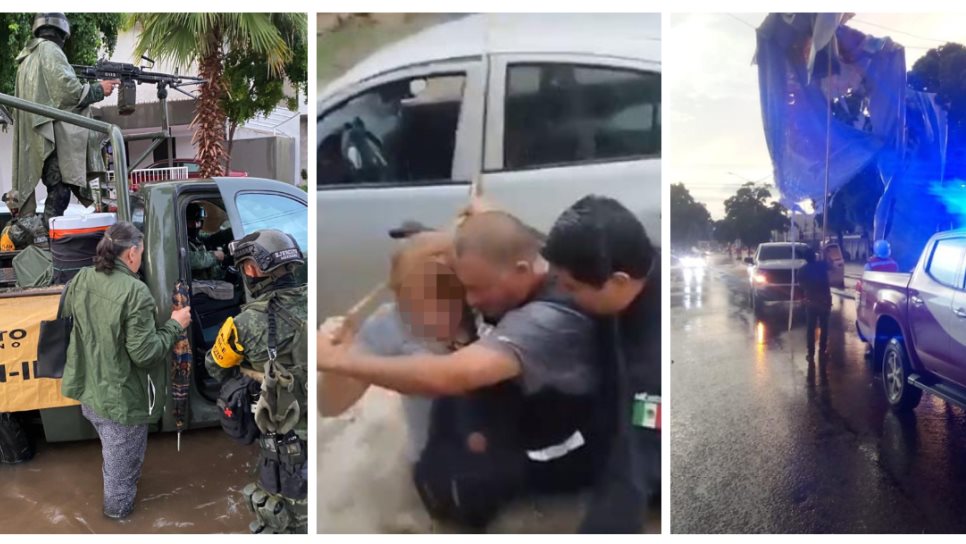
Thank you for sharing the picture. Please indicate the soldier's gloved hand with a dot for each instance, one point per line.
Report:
(228, 351)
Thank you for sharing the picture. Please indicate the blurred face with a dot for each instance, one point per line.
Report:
(431, 303)
(491, 289)
(609, 299)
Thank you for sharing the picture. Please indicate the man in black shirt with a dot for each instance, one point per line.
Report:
(813, 280)
(603, 258)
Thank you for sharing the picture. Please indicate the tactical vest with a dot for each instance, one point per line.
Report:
(283, 404)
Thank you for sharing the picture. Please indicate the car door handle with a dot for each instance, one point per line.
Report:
(960, 313)
(916, 301)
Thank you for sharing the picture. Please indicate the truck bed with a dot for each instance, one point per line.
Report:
(879, 294)
(891, 280)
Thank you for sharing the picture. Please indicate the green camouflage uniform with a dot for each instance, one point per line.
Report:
(64, 156)
(279, 498)
(204, 265)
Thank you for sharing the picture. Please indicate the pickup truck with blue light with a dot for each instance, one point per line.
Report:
(915, 324)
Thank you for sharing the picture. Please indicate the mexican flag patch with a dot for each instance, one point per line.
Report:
(647, 411)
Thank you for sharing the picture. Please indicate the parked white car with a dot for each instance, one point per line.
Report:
(544, 109)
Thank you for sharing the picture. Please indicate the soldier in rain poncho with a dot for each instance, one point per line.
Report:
(62, 155)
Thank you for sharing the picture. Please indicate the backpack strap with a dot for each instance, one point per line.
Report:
(63, 297)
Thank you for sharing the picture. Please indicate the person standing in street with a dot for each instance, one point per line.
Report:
(269, 337)
(62, 155)
(881, 260)
(116, 359)
(813, 280)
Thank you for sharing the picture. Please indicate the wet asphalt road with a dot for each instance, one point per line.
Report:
(195, 491)
(762, 441)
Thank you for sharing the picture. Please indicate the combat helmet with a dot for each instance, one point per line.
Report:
(51, 20)
(274, 252)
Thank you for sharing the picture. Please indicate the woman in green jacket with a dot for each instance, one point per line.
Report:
(115, 360)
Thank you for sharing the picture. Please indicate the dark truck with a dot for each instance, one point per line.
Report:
(915, 324)
(236, 205)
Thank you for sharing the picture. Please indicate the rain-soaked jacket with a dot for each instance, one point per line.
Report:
(117, 353)
(44, 76)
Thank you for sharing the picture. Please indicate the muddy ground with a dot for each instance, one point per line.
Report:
(365, 486)
(195, 491)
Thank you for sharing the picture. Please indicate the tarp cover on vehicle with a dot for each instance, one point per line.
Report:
(33, 267)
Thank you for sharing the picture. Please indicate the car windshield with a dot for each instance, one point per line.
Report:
(784, 251)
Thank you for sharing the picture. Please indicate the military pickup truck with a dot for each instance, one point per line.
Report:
(235, 207)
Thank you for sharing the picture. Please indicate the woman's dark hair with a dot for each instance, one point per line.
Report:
(119, 238)
(597, 237)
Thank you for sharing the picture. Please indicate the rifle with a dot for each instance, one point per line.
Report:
(130, 76)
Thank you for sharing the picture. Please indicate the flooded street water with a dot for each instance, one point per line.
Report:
(195, 491)
(365, 483)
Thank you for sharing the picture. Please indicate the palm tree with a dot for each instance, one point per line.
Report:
(205, 39)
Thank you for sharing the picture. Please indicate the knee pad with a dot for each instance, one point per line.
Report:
(274, 514)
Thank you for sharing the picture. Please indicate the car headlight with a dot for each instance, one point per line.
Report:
(761, 278)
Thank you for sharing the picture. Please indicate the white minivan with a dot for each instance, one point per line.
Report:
(544, 109)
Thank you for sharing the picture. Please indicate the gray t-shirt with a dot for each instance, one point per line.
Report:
(555, 345)
(385, 334)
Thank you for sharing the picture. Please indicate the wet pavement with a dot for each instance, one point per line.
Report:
(763, 441)
(365, 483)
(195, 491)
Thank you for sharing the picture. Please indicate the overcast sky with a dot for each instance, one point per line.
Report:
(715, 118)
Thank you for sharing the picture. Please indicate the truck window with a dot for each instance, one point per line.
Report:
(398, 132)
(558, 114)
(779, 252)
(944, 262)
(264, 211)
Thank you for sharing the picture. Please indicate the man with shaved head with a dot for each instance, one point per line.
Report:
(530, 335)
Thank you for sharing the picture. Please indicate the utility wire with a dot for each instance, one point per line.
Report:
(897, 31)
(740, 20)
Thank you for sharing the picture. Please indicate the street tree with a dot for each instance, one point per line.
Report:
(942, 70)
(206, 39)
(750, 217)
(690, 220)
(92, 35)
(251, 88)
(853, 205)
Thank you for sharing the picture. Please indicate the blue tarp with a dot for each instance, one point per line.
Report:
(900, 131)
(794, 103)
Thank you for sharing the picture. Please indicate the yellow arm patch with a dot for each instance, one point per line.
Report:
(6, 244)
(227, 351)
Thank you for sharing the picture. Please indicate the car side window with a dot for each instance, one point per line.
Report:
(944, 262)
(193, 167)
(559, 114)
(399, 132)
(273, 211)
